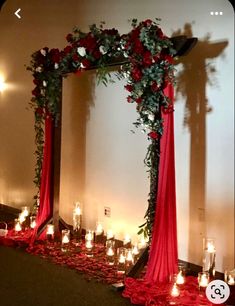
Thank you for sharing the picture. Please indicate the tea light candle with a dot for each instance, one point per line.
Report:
(50, 229)
(129, 256)
(175, 291)
(203, 279)
(180, 278)
(110, 252)
(231, 280)
(210, 247)
(135, 250)
(110, 234)
(122, 259)
(89, 244)
(65, 236)
(25, 211)
(21, 217)
(99, 229)
(33, 222)
(142, 243)
(18, 227)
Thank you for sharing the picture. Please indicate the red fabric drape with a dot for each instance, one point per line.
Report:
(45, 208)
(163, 254)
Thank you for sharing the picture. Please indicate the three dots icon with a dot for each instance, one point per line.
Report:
(216, 13)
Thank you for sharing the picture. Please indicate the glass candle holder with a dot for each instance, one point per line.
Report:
(209, 253)
(121, 260)
(180, 277)
(65, 239)
(110, 251)
(203, 279)
(21, 218)
(77, 219)
(17, 226)
(89, 235)
(50, 232)
(32, 222)
(99, 233)
(229, 277)
(25, 210)
(175, 291)
(129, 258)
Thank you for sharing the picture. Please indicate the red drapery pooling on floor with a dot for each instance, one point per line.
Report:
(163, 254)
(45, 211)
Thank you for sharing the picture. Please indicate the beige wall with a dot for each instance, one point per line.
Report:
(101, 159)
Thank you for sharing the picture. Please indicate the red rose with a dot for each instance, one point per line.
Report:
(147, 22)
(136, 74)
(55, 55)
(129, 99)
(147, 59)
(36, 92)
(160, 33)
(135, 34)
(39, 111)
(86, 63)
(89, 42)
(153, 135)
(75, 58)
(67, 49)
(69, 37)
(155, 87)
(138, 100)
(138, 47)
(36, 81)
(128, 87)
(97, 54)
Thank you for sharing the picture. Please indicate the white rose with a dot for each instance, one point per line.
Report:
(44, 83)
(56, 66)
(102, 50)
(38, 69)
(43, 52)
(151, 117)
(81, 51)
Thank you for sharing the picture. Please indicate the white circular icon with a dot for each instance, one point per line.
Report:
(217, 291)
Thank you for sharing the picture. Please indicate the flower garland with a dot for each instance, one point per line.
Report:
(148, 69)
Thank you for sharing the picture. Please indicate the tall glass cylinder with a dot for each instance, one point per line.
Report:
(209, 253)
(77, 220)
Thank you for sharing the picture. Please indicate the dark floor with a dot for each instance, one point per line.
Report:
(27, 280)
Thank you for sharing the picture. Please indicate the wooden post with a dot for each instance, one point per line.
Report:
(56, 158)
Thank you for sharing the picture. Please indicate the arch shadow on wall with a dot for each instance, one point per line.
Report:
(196, 74)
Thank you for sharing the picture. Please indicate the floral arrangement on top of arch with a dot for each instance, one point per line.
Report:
(148, 68)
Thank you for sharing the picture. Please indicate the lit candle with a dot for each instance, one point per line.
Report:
(129, 256)
(32, 222)
(99, 229)
(25, 211)
(135, 250)
(142, 243)
(89, 235)
(89, 244)
(127, 239)
(231, 280)
(50, 229)
(21, 217)
(110, 234)
(121, 259)
(77, 210)
(110, 251)
(18, 227)
(65, 236)
(210, 247)
(203, 279)
(180, 278)
(175, 291)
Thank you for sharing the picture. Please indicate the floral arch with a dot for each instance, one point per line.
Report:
(145, 56)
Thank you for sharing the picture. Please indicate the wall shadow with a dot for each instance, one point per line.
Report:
(195, 75)
(77, 100)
